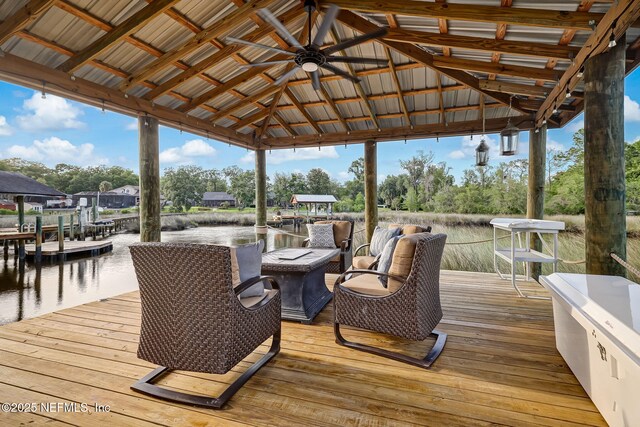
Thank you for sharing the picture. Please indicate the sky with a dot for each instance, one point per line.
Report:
(54, 130)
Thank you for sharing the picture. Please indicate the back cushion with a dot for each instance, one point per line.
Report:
(411, 229)
(380, 238)
(246, 263)
(341, 230)
(402, 259)
(321, 235)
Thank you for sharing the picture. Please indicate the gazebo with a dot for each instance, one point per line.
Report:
(314, 200)
(434, 69)
(449, 69)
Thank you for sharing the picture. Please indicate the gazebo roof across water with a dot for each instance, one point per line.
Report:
(448, 63)
(18, 184)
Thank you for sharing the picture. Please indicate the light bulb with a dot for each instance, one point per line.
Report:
(612, 40)
(580, 72)
(310, 67)
(568, 94)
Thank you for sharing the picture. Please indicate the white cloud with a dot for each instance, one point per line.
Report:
(188, 152)
(132, 125)
(575, 125)
(554, 145)
(468, 147)
(631, 110)
(55, 150)
(457, 154)
(344, 176)
(277, 157)
(51, 113)
(5, 129)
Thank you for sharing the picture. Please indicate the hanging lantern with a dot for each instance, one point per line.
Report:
(482, 153)
(509, 137)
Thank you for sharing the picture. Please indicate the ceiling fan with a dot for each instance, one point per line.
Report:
(311, 57)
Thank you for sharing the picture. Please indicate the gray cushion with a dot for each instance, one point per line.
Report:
(385, 259)
(248, 259)
(321, 236)
(380, 238)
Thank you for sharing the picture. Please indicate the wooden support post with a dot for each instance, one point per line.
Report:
(535, 195)
(38, 257)
(20, 201)
(149, 179)
(71, 219)
(94, 210)
(60, 234)
(261, 193)
(370, 188)
(605, 216)
(6, 249)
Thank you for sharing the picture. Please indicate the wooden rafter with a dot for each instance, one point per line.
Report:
(272, 110)
(619, 18)
(390, 134)
(23, 17)
(303, 111)
(354, 21)
(126, 28)
(219, 56)
(501, 32)
(503, 69)
(443, 118)
(250, 119)
(358, 85)
(261, 94)
(443, 27)
(206, 35)
(333, 107)
(484, 44)
(515, 88)
(396, 83)
(477, 13)
(27, 73)
(284, 124)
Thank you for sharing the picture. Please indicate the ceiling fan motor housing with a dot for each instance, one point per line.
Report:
(310, 59)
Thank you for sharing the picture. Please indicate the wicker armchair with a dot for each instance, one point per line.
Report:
(408, 308)
(343, 236)
(193, 320)
(362, 258)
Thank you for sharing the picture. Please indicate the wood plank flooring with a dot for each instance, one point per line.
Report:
(499, 366)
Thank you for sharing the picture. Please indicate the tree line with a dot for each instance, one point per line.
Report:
(424, 185)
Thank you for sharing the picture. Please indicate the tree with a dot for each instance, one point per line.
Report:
(357, 169)
(105, 186)
(319, 182)
(214, 180)
(184, 186)
(411, 200)
(242, 185)
(358, 203)
(392, 189)
(416, 167)
(284, 186)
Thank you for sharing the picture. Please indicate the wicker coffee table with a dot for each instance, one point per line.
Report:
(302, 286)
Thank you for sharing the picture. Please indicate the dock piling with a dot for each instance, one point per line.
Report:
(38, 256)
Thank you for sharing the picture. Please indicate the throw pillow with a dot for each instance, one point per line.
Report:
(246, 263)
(321, 236)
(384, 263)
(380, 238)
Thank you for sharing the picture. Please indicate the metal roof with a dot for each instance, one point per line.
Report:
(434, 78)
(313, 198)
(16, 183)
(218, 195)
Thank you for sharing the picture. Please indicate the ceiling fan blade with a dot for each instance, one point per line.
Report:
(266, 64)
(355, 41)
(355, 60)
(286, 76)
(261, 46)
(327, 21)
(268, 16)
(315, 80)
(339, 72)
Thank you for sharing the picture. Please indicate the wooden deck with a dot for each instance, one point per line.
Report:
(499, 366)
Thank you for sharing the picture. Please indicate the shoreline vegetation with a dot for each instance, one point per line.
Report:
(461, 229)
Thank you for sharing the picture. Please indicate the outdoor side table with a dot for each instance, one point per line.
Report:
(523, 253)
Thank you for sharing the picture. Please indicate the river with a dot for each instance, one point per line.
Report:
(27, 291)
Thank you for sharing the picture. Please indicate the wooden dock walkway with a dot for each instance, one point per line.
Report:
(499, 366)
(75, 247)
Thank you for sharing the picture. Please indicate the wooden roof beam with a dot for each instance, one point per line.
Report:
(334, 107)
(284, 124)
(126, 28)
(484, 44)
(443, 118)
(493, 68)
(501, 32)
(396, 83)
(443, 27)
(272, 110)
(17, 70)
(220, 55)
(356, 22)
(244, 102)
(390, 134)
(221, 26)
(477, 13)
(250, 119)
(25, 15)
(515, 88)
(623, 14)
(303, 111)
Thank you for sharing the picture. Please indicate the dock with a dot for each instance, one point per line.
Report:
(499, 366)
(51, 251)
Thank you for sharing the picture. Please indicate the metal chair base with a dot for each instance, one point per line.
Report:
(145, 385)
(425, 363)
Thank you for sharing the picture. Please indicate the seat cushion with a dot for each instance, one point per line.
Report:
(321, 236)
(410, 228)
(380, 238)
(362, 262)
(251, 301)
(246, 263)
(403, 259)
(366, 284)
(341, 230)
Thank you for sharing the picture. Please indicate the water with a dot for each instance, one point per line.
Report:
(28, 291)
